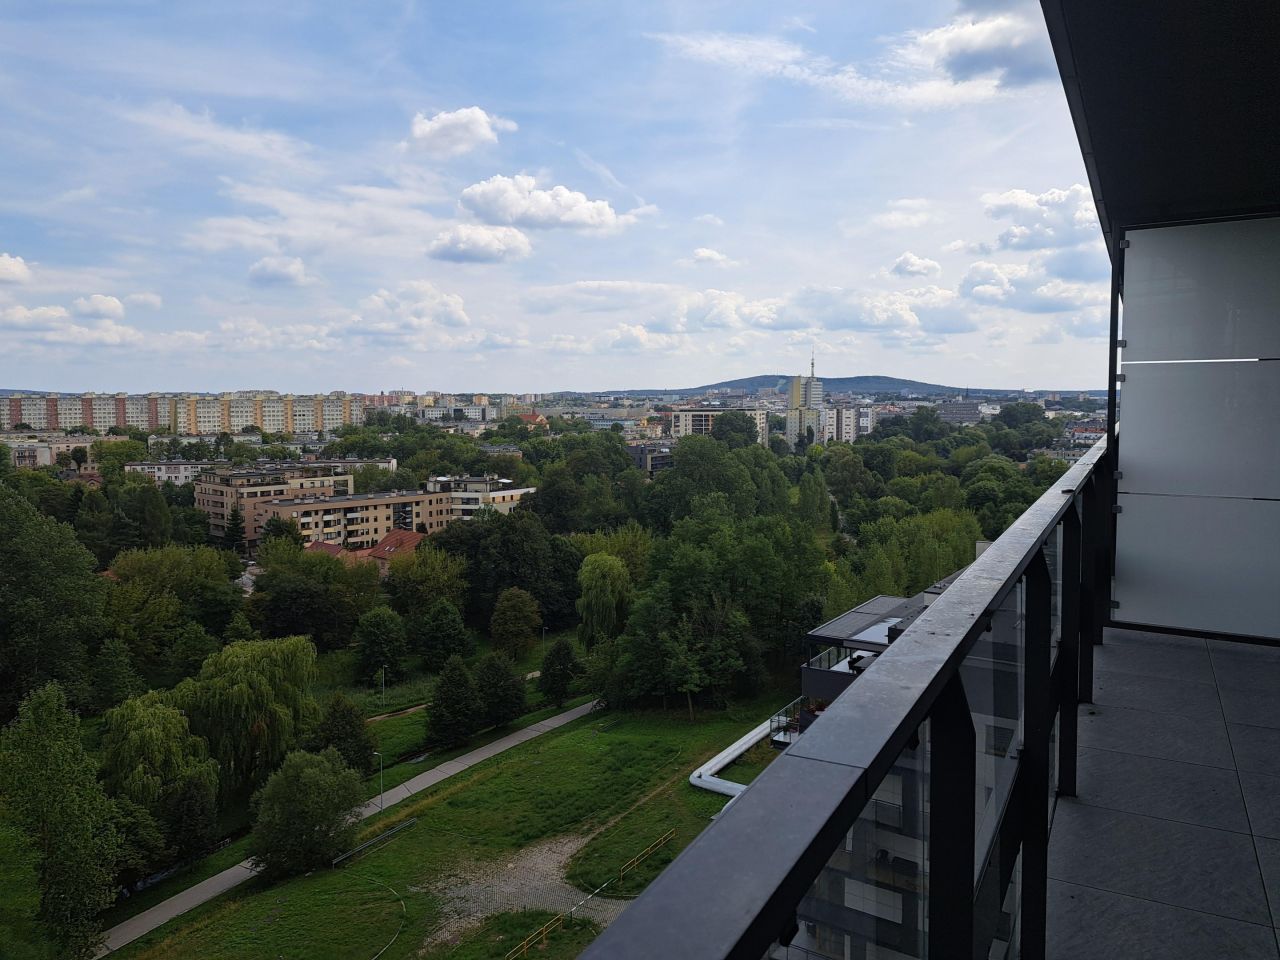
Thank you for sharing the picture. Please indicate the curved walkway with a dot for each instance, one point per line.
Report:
(220, 883)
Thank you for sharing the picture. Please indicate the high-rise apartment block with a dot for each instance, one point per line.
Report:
(186, 413)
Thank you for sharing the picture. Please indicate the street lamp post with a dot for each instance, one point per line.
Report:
(384, 688)
(382, 803)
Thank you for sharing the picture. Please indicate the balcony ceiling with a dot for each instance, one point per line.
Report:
(1176, 104)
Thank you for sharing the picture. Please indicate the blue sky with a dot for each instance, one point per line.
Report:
(530, 197)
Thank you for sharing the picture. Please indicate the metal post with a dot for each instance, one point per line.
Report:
(382, 801)
(384, 688)
(1090, 625)
(1069, 652)
(1034, 771)
(952, 765)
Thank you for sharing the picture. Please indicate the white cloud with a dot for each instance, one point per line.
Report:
(909, 265)
(145, 299)
(1009, 46)
(53, 326)
(201, 133)
(414, 307)
(1028, 287)
(453, 133)
(518, 200)
(710, 219)
(98, 305)
(917, 317)
(907, 212)
(280, 271)
(1055, 218)
(475, 243)
(707, 257)
(13, 269)
(901, 80)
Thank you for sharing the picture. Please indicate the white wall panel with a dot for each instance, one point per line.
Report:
(1198, 563)
(1203, 291)
(1204, 429)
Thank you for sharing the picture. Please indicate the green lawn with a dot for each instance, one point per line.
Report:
(574, 780)
(748, 766)
(498, 935)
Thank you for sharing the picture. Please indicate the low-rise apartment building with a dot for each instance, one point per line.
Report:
(29, 450)
(189, 471)
(221, 488)
(360, 521)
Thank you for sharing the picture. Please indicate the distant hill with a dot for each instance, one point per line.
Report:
(868, 384)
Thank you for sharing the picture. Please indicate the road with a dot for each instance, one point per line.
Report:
(220, 883)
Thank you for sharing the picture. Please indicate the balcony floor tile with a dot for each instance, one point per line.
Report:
(1186, 792)
(1186, 698)
(1172, 847)
(1089, 924)
(1212, 871)
(1163, 735)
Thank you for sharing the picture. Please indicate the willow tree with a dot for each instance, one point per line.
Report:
(606, 594)
(250, 702)
(148, 751)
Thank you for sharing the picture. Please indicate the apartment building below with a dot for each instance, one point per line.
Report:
(188, 471)
(686, 423)
(360, 521)
(221, 488)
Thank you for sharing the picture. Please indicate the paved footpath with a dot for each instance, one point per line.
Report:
(220, 883)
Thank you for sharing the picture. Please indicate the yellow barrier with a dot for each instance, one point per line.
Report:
(645, 853)
(538, 936)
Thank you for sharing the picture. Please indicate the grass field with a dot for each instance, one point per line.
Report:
(573, 781)
(748, 766)
(499, 934)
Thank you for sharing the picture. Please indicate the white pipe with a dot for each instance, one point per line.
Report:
(705, 776)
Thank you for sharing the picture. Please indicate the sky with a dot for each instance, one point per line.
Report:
(536, 197)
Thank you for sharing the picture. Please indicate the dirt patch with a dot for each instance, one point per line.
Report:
(532, 879)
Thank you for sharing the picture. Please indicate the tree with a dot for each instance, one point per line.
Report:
(155, 525)
(280, 527)
(114, 679)
(734, 429)
(93, 526)
(416, 581)
(302, 592)
(438, 634)
(52, 792)
(239, 628)
(79, 456)
(51, 601)
(500, 689)
(454, 711)
(605, 587)
(250, 701)
(515, 622)
(20, 928)
(233, 535)
(380, 641)
(306, 814)
(150, 758)
(342, 727)
(559, 667)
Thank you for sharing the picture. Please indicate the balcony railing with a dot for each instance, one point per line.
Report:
(965, 730)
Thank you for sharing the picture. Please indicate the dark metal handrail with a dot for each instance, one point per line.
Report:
(734, 890)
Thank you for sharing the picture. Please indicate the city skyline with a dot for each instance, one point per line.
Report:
(308, 200)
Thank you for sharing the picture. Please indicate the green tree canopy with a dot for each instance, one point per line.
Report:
(500, 689)
(342, 726)
(51, 601)
(734, 429)
(516, 621)
(438, 634)
(52, 792)
(249, 702)
(306, 814)
(454, 711)
(380, 641)
(559, 667)
(415, 581)
(605, 594)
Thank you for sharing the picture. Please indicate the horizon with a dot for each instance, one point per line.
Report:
(317, 196)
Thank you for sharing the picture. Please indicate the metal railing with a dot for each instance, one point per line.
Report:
(959, 725)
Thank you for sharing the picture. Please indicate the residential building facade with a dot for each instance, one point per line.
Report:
(685, 423)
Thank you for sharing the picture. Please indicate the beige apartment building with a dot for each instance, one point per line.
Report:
(362, 520)
(686, 423)
(219, 489)
(186, 413)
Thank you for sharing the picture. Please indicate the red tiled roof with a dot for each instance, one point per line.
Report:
(397, 541)
(333, 549)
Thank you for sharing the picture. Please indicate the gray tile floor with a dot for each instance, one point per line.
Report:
(1171, 849)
